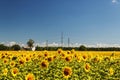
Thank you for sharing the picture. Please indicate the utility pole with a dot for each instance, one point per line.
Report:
(62, 39)
(46, 44)
(68, 42)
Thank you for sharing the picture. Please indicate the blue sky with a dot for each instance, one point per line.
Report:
(83, 21)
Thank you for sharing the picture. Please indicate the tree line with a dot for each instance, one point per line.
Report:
(17, 47)
(30, 42)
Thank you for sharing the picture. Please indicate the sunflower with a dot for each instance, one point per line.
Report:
(12, 63)
(96, 59)
(54, 57)
(21, 61)
(75, 55)
(39, 56)
(13, 58)
(46, 54)
(44, 64)
(87, 67)
(68, 52)
(59, 50)
(27, 59)
(50, 59)
(63, 55)
(5, 53)
(14, 71)
(111, 71)
(34, 55)
(5, 71)
(67, 72)
(84, 57)
(30, 56)
(5, 61)
(79, 58)
(2, 56)
(30, 76)
(73, 51)
(90, 56)
(68, 58)
(107, 59)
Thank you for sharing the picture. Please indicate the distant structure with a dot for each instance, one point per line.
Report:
(33, 49)
(62, 39)
(46, 44)
(68, 42)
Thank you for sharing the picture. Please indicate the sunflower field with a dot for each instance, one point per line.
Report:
(59, 65)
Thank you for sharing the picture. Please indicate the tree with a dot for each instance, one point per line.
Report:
(82, 48)
(30, 43)
(3, 47)
(15, 47)
(38, 48)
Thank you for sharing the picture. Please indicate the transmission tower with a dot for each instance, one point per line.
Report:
(62, 39)
(46, 44)
(68, 42)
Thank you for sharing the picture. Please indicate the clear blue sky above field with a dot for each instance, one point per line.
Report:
(83, 21)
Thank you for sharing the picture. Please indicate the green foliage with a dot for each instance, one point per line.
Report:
(54, 71)
(30, 43)
(49, 48)
(37, 48)
(15, 47)
(3, 47)
(82, 48)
